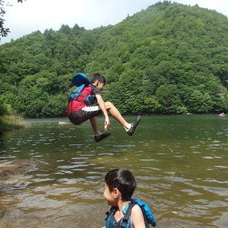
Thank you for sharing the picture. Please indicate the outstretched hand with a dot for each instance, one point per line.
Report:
(107, 124)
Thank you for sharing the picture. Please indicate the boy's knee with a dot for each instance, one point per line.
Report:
(108, 104)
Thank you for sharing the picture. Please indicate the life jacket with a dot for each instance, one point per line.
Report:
(125, 221)
(81, 81)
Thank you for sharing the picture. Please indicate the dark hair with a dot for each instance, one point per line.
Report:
(98, 77)
(123, 180)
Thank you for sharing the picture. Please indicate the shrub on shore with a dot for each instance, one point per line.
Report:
(8, 119)
(11, 122)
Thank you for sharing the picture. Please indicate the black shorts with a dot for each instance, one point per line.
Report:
(84, 114)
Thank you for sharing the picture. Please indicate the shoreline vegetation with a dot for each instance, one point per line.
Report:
(11, 122)
(9, 119)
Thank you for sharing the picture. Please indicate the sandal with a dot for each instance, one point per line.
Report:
(134, 124)
(102, 136)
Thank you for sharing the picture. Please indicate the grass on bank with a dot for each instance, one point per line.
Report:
(11, 122)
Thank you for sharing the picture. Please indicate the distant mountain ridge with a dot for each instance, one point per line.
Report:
(169, 58)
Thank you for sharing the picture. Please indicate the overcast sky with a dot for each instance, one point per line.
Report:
(32, 15)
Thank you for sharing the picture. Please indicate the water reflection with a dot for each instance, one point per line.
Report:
(180, 163)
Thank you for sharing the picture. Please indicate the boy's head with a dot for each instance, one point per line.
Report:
(98, 79)
(123, 180)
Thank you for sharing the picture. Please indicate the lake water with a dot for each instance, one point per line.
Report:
(180, 164)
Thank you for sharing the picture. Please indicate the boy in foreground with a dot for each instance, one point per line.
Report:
(79, 111)
(125, 212)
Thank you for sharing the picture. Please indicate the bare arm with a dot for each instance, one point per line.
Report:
(137, 218)
(101, 104)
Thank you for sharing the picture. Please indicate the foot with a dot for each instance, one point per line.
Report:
(134, 124)
(101, 136)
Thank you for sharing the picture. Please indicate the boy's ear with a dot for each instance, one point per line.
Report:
(94, 83)
(116, 193)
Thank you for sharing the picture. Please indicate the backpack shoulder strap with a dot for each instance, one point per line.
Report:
(76, 92)
(108, 218)
(125, 220)
(126, 217)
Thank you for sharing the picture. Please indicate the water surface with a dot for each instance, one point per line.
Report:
(180, 164)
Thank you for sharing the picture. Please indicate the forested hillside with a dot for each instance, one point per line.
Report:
(169, 58)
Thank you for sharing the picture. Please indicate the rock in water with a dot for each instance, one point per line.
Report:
(11, 170)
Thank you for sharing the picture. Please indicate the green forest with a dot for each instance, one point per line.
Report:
(169, 59)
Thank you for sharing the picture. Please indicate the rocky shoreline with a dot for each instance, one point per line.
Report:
(11, 170)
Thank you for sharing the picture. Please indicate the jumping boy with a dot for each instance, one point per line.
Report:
(125, 212)
(79, 111)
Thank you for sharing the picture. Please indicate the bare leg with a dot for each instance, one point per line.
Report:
(98, 136)
(93, 122)
(114, 112)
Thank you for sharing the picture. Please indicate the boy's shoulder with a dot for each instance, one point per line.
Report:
(136, 211)
(145, 210)
(137, 216)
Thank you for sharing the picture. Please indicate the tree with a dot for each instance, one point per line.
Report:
(3, 31)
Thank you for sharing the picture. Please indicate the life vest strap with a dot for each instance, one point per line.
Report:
(80, 94)
(127, 215)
